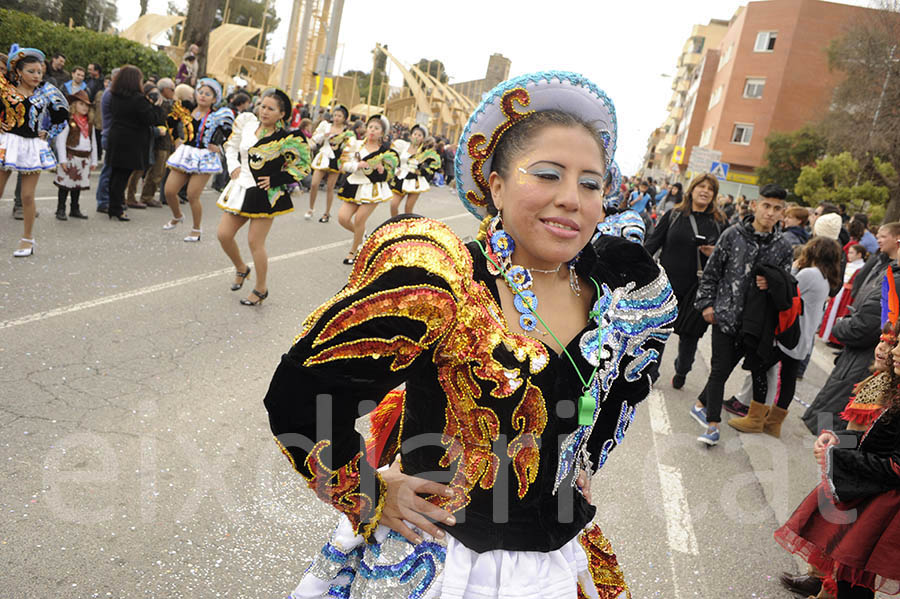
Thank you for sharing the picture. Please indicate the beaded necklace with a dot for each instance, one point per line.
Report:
(519, 279)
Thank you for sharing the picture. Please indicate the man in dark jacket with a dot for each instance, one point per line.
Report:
(858, 332)
(723, 290)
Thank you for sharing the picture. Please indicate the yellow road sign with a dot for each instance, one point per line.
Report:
(678, 155)
(742, 178)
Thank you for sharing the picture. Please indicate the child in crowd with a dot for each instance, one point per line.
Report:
(77, 156)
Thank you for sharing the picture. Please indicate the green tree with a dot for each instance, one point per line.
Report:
(74, 10)
(48, 10)
(865, 114)
(787, 153)
(435, 68)
(838, 179)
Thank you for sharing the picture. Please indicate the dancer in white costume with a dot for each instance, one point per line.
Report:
(418, 163)
(23, 141)
(330, 139)
(196, 156)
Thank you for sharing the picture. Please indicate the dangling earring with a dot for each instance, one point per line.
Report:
(573, 276)
(501, 244)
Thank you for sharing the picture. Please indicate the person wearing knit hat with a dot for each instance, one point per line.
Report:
(828, 225)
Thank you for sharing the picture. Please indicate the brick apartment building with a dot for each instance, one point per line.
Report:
(768, 73)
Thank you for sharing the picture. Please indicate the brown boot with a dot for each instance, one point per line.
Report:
(773, 422)
(754, 420)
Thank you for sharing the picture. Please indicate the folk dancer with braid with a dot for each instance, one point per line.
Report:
(24, 100)
(196, 156)
(418, 163)
(266, 162)
(371, 163)
(523, 353)
(330, 138)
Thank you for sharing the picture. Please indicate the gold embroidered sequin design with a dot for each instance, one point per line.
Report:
(464, 325)
(481, 149)
(603, 565)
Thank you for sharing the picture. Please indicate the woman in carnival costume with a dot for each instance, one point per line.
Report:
(371, 163)
(418, 163)
(330, 138)
(523, 353)
(267, 162)
(196, 156)
(24, 99)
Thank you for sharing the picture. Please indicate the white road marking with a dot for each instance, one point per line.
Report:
(679, 526)
(659, 417)
(39, 316)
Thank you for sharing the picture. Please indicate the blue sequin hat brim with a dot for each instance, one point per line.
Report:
(211, 84)
(20, 53)
(513, 101)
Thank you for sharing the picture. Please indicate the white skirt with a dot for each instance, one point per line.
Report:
(195, 161)
(395, 568)
(25, 154)
(417, 185)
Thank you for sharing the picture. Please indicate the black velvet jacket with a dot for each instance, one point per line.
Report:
(868, 463)
(486, 411)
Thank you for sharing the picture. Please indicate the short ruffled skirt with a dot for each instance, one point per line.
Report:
(366, 193)
(195, 161)
(252, 202)
(856, 542)
(416, 184)
(25, 154)
(323, 163)
(392, 567)
(76, 174)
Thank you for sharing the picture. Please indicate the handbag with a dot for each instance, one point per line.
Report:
(690, 321)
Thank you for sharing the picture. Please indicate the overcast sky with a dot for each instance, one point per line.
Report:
(625, 47)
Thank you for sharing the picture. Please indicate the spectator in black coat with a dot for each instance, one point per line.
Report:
(680, 249)
(128, 146)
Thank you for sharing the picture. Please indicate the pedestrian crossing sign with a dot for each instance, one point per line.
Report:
(719, 170)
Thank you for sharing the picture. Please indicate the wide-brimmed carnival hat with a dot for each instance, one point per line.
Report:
(80, 96)
(514, 101)
(211, 84)
(16, 54)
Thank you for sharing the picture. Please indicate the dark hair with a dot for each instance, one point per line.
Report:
(79, 68)
(128, 81)
(862, 217)
(679, 192)
(856, 229)
(860, 249)
(377, 118)
(238, 98)
(20, 66)
(280, 98)
(825, 254)
(828, 208)
(148, 87)
(686, 204)
(58, 55)
(342, 109)
(519, 136)
(190, 57)
(772, 191)
(97, 67)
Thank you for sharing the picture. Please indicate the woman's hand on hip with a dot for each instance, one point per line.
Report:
(403, 503)
(263, 182)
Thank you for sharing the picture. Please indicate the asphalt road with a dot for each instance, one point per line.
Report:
(136, 456)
